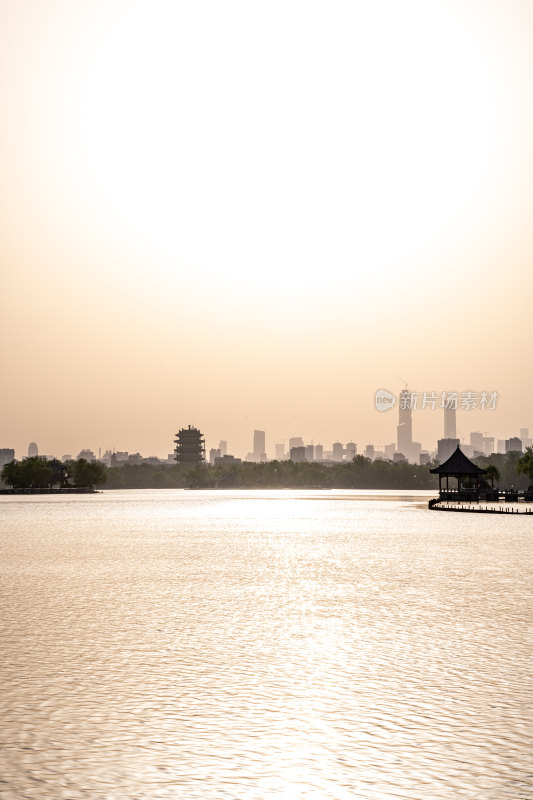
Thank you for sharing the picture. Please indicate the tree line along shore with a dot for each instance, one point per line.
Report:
(509, 470)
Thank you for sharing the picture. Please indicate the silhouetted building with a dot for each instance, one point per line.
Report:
(7, 455)
(338, 451)
(445, 448)
(488, 445)
(450, 425)
(33, 450)
(190, 446)
(214, 454)
(476, 441)
(423, 458)
(259, 451)
(296, 441)
(369, 451)
(405, 426)
(227, 459)
(399, 458)
(513, 445)
(416, 449)
(280, 451)
(351, 451)
(309, 452)
(526, 439)
(223, 447)
(319, 452)
(88, 455)
(298, 454)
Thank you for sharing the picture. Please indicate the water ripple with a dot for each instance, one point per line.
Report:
(161, 645)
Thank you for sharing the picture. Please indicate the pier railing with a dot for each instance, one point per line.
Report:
(486, 495)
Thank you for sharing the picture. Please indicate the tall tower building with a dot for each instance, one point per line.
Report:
(476, 441)
(259, 441)
(525, 437)
(7, 454)
(190, 446)
(33, 450)
(405, 424)
(450, 423)
(280, 451)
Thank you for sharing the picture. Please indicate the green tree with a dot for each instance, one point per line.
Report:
(11, 473)
(524, 464)
(161, 480)
(31, 473)
(492, 474)
(88, 473)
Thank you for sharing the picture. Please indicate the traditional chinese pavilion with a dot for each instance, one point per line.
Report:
(463, 471)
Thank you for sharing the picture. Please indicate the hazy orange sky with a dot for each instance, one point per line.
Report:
(253, 215)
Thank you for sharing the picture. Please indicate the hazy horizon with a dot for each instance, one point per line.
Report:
(241, 216)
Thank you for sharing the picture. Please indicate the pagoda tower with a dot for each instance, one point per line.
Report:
(190, 446)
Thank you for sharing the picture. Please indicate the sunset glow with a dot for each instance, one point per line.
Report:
(288, 183)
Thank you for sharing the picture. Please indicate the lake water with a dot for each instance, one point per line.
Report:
(187, 644)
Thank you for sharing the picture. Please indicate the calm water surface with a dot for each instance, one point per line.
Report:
(173, 644)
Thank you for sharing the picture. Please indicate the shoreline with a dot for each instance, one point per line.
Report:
(36, 490)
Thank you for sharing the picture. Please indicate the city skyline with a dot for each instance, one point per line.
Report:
(474, 441)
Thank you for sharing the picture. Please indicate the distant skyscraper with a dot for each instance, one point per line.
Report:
(213, 455)
(7, 455)
(298, 454)
(416, 449)
(280, 451)
(351, 451)
(319, 452)
(525, 437)
(405, 425)
(488, 445)
(259, 451)
(309, 452)
(450, 423)
(476, 440)
(33, 450)
(338, 451)
(296, 441)
(223, 447)
(445, 448)
(513, 445)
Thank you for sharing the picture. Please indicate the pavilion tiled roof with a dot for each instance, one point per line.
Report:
(458, 464)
